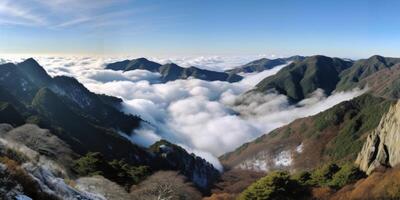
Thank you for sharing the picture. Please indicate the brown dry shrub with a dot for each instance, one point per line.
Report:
(379, 185)
(165, 185)
(322, 192)
(235, 181)
(221, 196)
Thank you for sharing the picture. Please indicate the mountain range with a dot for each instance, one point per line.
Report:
(172, 72)
(349, 151)
(264, 64)
(85, 122)
(299, 79)
(360, 132)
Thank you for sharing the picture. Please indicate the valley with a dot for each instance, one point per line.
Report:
(100, 139)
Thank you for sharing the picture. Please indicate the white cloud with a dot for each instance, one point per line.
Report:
(13, 13)
(254, 78)
(61, 14)
(216, 63)
(199, 115)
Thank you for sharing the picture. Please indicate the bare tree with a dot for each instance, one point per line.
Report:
(165, 185)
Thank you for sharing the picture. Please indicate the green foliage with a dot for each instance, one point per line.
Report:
(276, 185)
(330, 175)
(90, 165)
(362, 69)
(282, 185)
(299, 79)
(117, 170)
(303, 177)
(363, 115)
(126, 174)
(323, 175)
(348, 173)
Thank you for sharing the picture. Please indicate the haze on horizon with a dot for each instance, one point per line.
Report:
(188, 28)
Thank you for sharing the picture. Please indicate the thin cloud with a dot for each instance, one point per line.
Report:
(17, 14)
(61, 14)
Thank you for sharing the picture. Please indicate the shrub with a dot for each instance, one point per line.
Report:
(348, 173)
(276, 185)
(165, 185)
(90, 165)
(302, 177)
(323, 175)
(117, 170)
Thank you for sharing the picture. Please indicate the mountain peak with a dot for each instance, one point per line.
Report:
(316, 57)
(31, 68)
(31, 60)
(377, 57)
(171, 64)
(141, 59)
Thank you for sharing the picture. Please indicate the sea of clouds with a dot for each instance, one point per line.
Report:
(201, 116)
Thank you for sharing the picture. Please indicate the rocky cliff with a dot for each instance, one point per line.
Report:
(382, 147)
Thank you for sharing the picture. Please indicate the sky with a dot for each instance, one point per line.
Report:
(342, 28)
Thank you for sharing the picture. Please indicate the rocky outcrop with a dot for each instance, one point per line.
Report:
(196, 169)
(382, 147)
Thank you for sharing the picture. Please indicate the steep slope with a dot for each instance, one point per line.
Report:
(82, 135)
(172, 72)
(264, 64)
(361, 69)
(6, 96)
(173, 157)
(382, 146)
(8, 114)
(336, 134)
(384, 83)
(17, 83)
(34, 72)
(80, 99)
(300, 79)
(83, 121)
(23, 81)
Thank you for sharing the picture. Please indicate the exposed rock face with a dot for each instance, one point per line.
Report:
(382, 147)
(196, 169)
(39, 140)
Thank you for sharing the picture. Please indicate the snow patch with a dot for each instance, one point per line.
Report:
(284, 158)
(299, 149)
(256, 163)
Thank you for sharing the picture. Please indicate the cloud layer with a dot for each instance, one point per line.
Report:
(201, 116)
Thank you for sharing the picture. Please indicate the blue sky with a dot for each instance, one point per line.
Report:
(200, 27)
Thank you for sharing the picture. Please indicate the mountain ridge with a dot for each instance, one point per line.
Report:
(172, 72)
(86, 121)
(264, 64)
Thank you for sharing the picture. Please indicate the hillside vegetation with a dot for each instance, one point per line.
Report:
(299, 79)
(335, 135)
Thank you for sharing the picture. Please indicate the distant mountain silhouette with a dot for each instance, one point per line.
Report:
(264, 64)
(172, 72)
